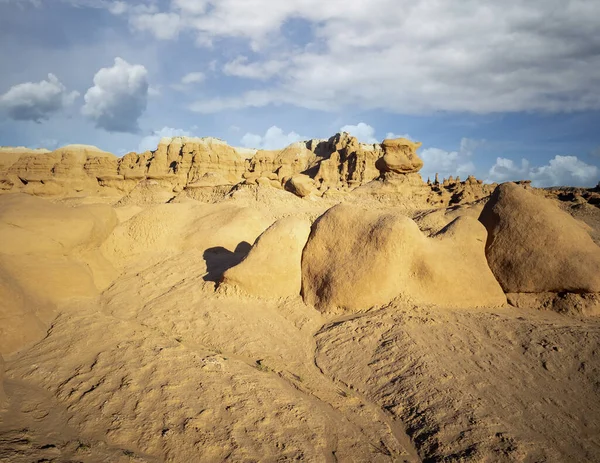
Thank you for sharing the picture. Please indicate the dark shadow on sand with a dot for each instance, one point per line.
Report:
(219, 259)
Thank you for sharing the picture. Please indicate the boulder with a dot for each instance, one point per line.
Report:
(272, 267)
(534, 247)
(356, 259)
(400, 156)
(301, 185)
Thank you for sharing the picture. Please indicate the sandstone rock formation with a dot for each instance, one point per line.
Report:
(356, 259)
(400, 156)
(2, 394)
(165, 229)
(206, 169)
(48, 255)
(534, 247)
(272, 267)
(125, 340)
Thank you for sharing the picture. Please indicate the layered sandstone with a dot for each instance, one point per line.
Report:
(183, 162)
(206, 169)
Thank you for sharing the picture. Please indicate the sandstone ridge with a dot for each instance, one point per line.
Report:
(199, 165)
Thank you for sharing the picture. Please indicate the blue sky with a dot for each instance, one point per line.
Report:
(503, 90)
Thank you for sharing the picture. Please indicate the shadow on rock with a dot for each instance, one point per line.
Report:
(219, 259)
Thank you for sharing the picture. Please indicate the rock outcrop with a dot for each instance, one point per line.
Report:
(272, 267)
(400, 156)
(356, 259)
(534, 247)
(206, 169)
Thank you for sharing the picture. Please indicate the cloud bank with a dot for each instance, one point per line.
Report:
(402, 56)
(560, 171)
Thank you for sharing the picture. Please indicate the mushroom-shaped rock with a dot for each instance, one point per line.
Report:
(356, 259)
(535, 247)
(272, 267)
(400, 156)
(301, 185)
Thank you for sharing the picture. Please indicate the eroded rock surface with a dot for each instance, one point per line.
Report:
(356, 259)
(534, 247)
(273, 265)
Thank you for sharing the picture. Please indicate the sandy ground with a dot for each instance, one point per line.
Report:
(163, 365)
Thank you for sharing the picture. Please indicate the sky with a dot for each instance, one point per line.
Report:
(501, 90)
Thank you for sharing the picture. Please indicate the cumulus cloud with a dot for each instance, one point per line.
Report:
(274, 138)
(363, 132)
(560, 171)
(36, 101)
(450, 163)
(407, 57)
(150, 142)
(118, 98)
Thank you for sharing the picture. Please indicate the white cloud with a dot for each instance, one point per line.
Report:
(274, 138)
(363, 132)
(188, 81)
(35, 101)
(193, 78)
(150, 142)
(164, 26)
(255, 99)
(118, 98)
(450, 163)
(154, 90)
(560, 171)
(406, 57)
(118, 8)
(392, 135)
(240, 67)
(191, 6)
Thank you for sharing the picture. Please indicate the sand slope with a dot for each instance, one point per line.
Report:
(127, 346)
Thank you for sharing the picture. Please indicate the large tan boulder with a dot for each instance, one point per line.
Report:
(273, 265)
(301, 185)
(356, 259)
(400, 156)
(535, 247)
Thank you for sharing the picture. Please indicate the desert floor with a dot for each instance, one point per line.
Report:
(135, 352)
